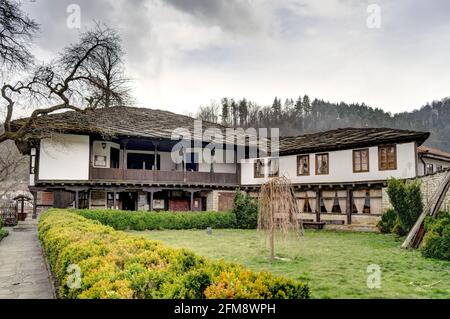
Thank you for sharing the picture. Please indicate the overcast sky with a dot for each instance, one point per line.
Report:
(185, 53)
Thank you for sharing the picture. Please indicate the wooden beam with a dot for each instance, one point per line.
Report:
(349, 205)
(318, 205)
(34, 216)
(77, 205)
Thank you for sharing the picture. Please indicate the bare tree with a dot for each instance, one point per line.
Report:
(16, 33)
(62, 84)
(13, 167)
(209, 113)
(109, 84)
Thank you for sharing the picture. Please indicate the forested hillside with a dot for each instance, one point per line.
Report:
(304, 115)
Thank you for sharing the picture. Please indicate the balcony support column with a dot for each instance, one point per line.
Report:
(155, 165)
(124, 158)
(349, 205)
(77, 197)
(318, 191)
(150, 206)
(191, 205)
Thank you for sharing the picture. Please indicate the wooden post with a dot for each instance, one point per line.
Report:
(150, 206)
(114, 199)
(124, 159)
(318, 205)
(192, 201)
(155, 166)
(349, 205)
(34, 216)
(77, 205)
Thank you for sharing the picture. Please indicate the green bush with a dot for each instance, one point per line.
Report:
(114, 264)
(122, 220)
(3, 232)
(246, 210)
(406, 198)
(436, 243)
(388, 221)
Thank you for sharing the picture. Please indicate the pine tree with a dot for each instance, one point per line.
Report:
(225, 111)
(276, 109)
(298, 106)
(306, 106)
(234, 111)
(243, 112)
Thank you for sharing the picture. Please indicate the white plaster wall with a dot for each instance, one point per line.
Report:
(64, 157)
(97, 149)
(340, 167)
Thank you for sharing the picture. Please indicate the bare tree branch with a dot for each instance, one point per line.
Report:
(16, 33)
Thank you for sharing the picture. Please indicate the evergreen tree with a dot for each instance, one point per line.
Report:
(243, 112)
(276, 109)
(306, 106)
(234, 111)
(225, 111)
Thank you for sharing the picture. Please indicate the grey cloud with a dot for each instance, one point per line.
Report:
(230, 15)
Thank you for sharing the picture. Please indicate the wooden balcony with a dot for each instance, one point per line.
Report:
(154, 176)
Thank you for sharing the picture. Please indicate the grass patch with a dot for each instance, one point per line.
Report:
(333, 263)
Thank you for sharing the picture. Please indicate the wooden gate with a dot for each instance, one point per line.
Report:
(8, 212)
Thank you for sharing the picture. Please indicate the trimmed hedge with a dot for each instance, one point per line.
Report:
(114, 264)
(122, 220)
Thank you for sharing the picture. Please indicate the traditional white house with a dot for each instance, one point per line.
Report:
(121, 158)
(432, 160)
(340, 176)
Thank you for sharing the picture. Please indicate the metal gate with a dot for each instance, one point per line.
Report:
(8, 212)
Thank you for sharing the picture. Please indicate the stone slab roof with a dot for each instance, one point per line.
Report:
(347, 138)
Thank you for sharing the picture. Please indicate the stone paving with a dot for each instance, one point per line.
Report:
(23, 274)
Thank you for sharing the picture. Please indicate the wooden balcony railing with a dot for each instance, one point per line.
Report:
(118, 174)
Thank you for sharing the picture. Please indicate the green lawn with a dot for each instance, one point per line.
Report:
(333, 263)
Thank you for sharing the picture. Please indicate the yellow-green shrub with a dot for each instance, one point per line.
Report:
(114, 264)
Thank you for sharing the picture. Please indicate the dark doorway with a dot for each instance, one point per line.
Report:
(128, 200)
(142, 161)
(114, 158)
(62, 198)
(192, 162)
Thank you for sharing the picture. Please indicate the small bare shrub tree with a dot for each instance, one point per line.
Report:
(278, 210)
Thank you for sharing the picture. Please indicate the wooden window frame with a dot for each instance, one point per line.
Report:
(328, 163)
(439, 168)
(298, 165)
(368, 160)
(427, 166)
(395, 157)
(255, 168)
